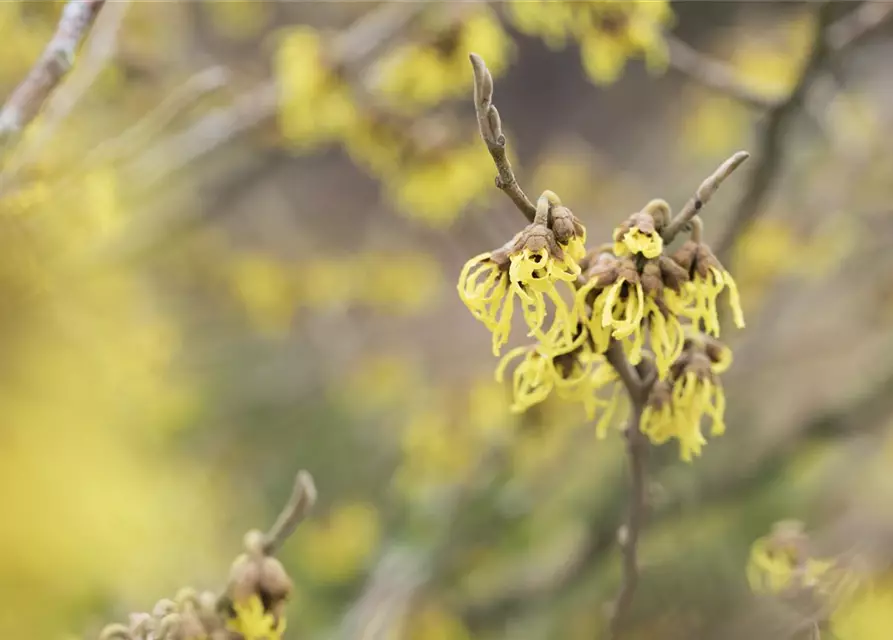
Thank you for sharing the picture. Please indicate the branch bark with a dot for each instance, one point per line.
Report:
(490, 127)
(55, 62)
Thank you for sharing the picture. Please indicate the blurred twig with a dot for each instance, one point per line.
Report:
(258, 105)
(831, 38)
(194, 88)
(99, 48)
(54, 63)
(302, 499)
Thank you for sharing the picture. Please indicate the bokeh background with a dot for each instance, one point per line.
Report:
(209, 281)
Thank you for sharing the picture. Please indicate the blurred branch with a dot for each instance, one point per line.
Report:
(857, 24)
(258, 105)
(713, 74)
(491, 133)
(830, 38)
(702, 195)
(637, 452)
(214, 130)
(196, 87)
(99, 48)
(719, 76)
(55, 62)
(302, 499)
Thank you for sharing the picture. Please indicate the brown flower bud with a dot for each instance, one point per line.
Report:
(661, 394)
(244, 578)
(627, 270)
(659, 211)
(535, 238)
(274, 581)
(652, 283)
(686, 254)
(672, 273)
(565, 224)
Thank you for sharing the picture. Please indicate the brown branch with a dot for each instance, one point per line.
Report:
(302, 499)
(857, 24)
(491, 133)
(637, 453)
(55, 62)
(702, 195)
(830, 38)
(719, 76)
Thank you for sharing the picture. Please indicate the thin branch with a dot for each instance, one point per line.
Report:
(199, 85)
(637, 453)
(54, 63)
(99, 47)
(491, 133)
(702, 195)
(860, 22)
(302, 499)
(719, 76)
(258, 105)
(714, 74)
(829, 38)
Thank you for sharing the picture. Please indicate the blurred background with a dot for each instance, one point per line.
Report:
(229, 251)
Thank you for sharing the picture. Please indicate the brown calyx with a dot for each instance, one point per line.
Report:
(661, 394)
(652, 283)
(536, 237)
(672, 273)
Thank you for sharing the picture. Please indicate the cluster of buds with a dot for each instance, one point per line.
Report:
(188, 616)
(252, 607)
(630, 293)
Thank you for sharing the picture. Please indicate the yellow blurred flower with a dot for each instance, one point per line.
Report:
(334, 550)
(420, 75)
(251, 622)
(315, 105)
(397, 282)
(266, 291)
(867, 614)
(431, 621)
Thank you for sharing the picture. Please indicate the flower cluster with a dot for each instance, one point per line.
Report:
(678, 403)
(530, 267)
(630, 295)
(429, 170)
(609, 32)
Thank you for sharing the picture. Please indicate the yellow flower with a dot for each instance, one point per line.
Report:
(575, 376)
(640, 233)
(781, 563)
(676, 406)
(335, 550)
(609, 32)
(315, 105)
(708, 279)
(866, 613)
(420, 75)
(623, 302)
(265, 290)
(528, 267)
(253, 623)
(484, 288)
